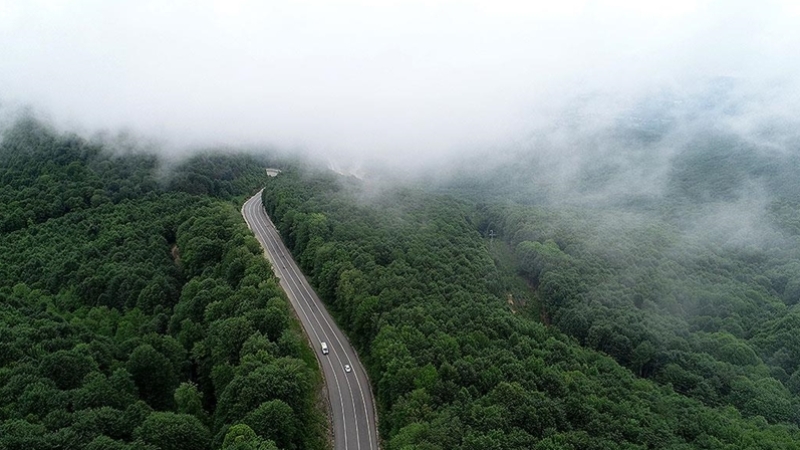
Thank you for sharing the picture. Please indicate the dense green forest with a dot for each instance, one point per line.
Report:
(137, 310)
(447, 321)
(696, 289)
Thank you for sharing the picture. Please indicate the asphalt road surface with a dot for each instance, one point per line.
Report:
(351, 401)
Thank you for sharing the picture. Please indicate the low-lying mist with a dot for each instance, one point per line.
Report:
(686, 109)
(716, 163)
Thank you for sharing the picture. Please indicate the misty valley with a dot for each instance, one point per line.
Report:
(634, 285)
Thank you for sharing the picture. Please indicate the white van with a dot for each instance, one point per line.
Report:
(324, 348)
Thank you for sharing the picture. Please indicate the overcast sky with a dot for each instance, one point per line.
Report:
(370, 78)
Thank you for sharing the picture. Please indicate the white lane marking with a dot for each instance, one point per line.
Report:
(336, 335)
(267, 236)
(263, 240)
(309, 300)
(272, 233)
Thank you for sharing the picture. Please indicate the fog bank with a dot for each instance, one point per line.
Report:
(357, 82)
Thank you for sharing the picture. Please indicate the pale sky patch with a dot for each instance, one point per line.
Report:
(383, 80)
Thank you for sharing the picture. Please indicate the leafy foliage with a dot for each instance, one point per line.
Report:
(457, 364)
(691, 289)
(122, 295)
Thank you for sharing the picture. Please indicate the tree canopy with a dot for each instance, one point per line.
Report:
(127, 291)
(474, 342)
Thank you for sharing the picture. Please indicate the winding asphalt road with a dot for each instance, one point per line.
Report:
(351, 401)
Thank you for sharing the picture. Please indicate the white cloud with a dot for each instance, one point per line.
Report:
(373, 79)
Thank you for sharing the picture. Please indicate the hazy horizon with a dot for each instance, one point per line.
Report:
(382, 82)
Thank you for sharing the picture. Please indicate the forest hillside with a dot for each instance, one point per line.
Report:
(673, 246)
(446, 319)
(136, 308)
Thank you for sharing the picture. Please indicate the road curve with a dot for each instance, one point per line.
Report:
(351, 400)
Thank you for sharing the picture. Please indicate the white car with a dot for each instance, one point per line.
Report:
(347, 368)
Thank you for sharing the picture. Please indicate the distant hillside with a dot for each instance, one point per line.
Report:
(677, 253)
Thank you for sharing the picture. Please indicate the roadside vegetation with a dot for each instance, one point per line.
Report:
(136, 309)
